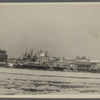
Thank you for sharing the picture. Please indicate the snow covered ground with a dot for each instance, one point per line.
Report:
(36, 82)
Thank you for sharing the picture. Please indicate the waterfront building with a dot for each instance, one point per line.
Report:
(3, 56)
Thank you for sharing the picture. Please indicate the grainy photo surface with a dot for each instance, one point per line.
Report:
(50, 49)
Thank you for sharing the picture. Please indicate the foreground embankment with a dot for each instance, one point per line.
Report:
(33, 82)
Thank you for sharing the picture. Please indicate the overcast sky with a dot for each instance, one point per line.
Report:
(65, 29)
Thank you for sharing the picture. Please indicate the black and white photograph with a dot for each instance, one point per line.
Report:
(49, 49)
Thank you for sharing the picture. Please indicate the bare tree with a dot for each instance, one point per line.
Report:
(46, 52)
(31, 53)
(25, 54)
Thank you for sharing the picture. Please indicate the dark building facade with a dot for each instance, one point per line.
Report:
(3, 56)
